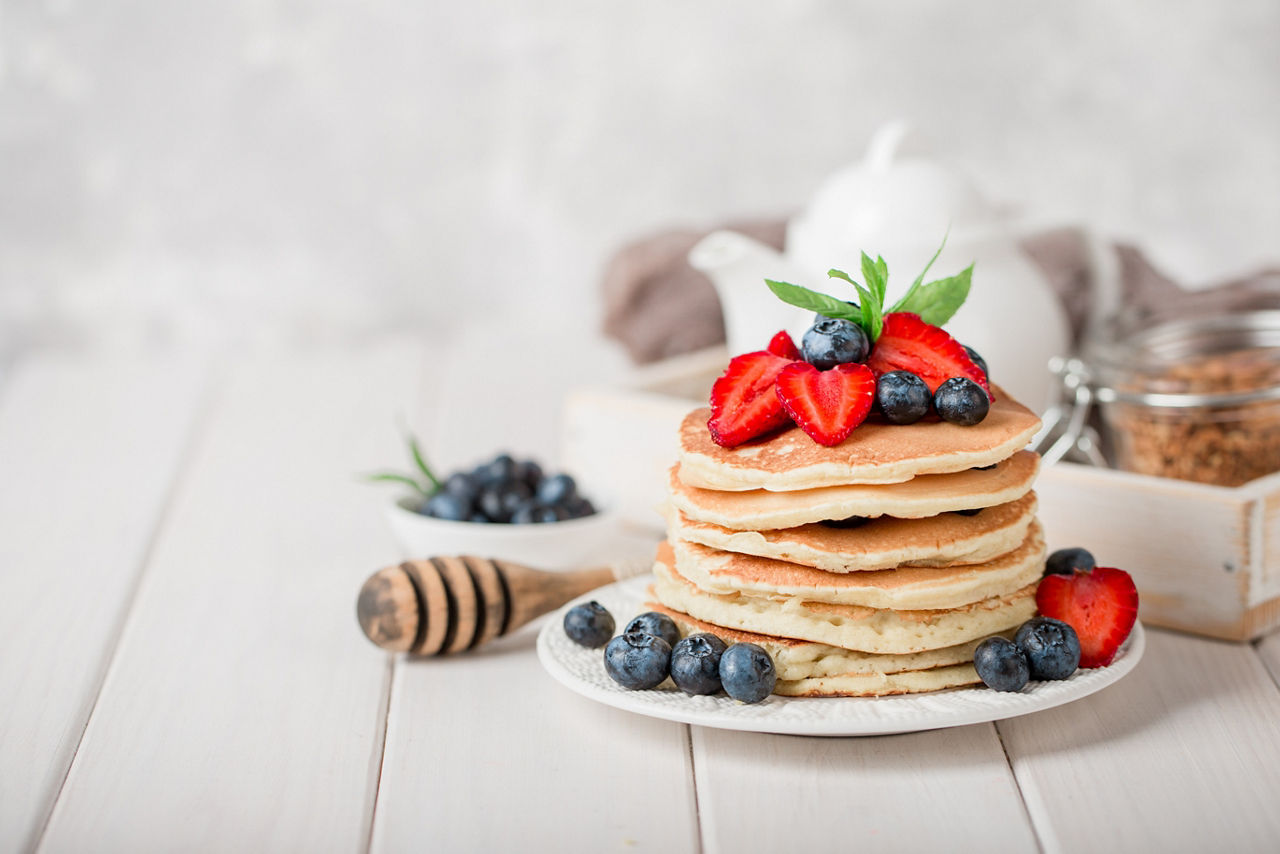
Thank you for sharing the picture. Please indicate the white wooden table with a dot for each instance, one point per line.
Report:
(181, 542)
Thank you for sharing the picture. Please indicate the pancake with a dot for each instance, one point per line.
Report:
(880, 685)
(947, 539)
(798, 660)
(926, 495)
(849, 626)
(876, 451)
(903, 589)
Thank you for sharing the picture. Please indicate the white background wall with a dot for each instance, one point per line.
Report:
(270, 168)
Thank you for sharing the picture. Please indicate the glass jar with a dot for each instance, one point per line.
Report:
(1191, 399)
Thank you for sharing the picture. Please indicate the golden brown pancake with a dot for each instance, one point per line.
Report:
(905, 588)
(875, 452)
(920, 497)
(875, 630)
(816, 670)
(947, 539)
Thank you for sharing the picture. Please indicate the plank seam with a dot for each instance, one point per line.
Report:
(1022, 798)
(381, 739)
(693, 783)
(195, 436)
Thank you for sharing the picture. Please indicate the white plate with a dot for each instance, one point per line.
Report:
(582, 670)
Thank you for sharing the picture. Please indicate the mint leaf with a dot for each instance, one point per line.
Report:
(871, 298)
(915, 286)
(876, 275)
(422, 464)
(937, 301)
(388, 477)
(814, 301)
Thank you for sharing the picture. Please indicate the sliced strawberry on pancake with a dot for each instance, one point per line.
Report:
(907, 343)
(826, 404)
(743, 401)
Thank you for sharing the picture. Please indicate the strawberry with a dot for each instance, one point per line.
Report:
(782, 345)
(743, 402)
(827, 404)
(1101, 606)
(907, 343)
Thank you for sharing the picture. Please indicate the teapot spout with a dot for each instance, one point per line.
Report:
(737, 266)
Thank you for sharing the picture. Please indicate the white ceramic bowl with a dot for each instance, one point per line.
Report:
(571, 544)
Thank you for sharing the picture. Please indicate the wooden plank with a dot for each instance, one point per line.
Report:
(1182, 755)
(486, 753)
(947, 790)
(243, 710)
(88, 451)
(490, 727)
(1269, 649)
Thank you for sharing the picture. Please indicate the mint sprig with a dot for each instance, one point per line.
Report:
(427, 485)
(936, 302)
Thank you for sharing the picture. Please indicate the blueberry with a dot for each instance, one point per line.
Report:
(589, 624)
(444, 505)
(961, 401)
(977, 360)
(548, 513)
(1001, 665)
(580, 507)
(1051, 646)
(462, 485)
(851, 522)
(529, 473)
(479, 518)
(490, 503)
(695, 664)
(499, 470)
(557, 489)
(658, 625)
(1066, 561)
(514, 495)
(830, 342)
(972, 511)
(903, 397)
(747, 672)
(524, 513)
(637, 660)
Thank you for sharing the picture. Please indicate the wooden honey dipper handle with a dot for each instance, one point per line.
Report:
(451, 604)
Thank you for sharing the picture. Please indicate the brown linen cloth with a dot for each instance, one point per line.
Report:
(658, 306)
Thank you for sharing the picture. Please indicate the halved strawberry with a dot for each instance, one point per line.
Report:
(743, 402)
(827, 404)
(782, 345)
(907, 343)
(1101, 606)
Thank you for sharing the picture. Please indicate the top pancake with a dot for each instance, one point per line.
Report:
(876, 451)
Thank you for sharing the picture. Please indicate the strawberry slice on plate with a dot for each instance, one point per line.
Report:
(907, 343)
(783, 345)
(827, 404)
(743, 402)
(1101, 605)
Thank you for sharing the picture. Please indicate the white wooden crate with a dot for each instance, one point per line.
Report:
(1206, 559)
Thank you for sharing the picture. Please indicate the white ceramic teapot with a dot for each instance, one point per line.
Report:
(900, 208)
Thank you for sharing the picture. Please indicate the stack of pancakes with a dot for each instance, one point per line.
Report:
(873, 567)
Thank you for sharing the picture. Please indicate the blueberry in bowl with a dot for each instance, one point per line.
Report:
(504, 508)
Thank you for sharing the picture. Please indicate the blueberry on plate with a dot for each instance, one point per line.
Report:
(903, 397)
(747, 672)
(1051, 646)
(462, 485)
(490, 503)
(557, 489)
(637, 660)
(658, 625)
(1067, 561)
(446, 505)
(695, 663)
(850, 522)
(977, 360)
(544, 513)
(1001, 665)
(589, 624)
(529, 473)
(831, 341)
(961, 401)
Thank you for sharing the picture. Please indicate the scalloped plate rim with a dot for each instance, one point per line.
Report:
(841, 716)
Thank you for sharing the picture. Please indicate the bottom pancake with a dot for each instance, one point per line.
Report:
(807, 669)
(851, 627)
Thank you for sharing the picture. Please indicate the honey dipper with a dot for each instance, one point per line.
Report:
(442, 605)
